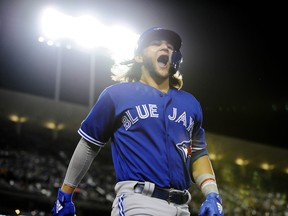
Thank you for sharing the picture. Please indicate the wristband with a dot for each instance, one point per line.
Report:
(207, 183)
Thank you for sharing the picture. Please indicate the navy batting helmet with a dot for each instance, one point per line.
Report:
(157, 33)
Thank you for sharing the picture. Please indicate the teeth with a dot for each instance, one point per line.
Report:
(161, 64)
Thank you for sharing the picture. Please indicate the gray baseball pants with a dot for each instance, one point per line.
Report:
(130, 203)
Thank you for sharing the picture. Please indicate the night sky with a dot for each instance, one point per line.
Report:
(233, 58)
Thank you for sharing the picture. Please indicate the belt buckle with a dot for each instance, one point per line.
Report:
(171, 193)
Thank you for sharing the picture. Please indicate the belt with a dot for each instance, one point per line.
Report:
(170, 195)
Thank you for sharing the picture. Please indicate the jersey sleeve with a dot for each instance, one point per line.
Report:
(198, 137)
(98, 125)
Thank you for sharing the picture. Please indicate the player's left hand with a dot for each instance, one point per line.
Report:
(212, 206)
(63, 205)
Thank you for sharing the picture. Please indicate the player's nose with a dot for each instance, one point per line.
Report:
(164, 47)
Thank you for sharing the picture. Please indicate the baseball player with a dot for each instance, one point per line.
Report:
(157, 140)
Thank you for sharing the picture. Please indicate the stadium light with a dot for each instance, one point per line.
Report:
(41, 39)
(55, 24)
(55, 127)
(267, 166)
(215, 157)
(87, 32)
(19, 120)
(241, 162)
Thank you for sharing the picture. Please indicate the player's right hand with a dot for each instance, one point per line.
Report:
(212, 206)
(63, 205)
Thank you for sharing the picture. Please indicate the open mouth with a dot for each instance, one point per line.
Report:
(163, 60)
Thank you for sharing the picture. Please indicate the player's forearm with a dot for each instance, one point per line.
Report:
(201, 166)
(80, 162)
(204, 175)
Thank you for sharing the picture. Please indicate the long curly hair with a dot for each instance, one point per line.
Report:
(132, 73)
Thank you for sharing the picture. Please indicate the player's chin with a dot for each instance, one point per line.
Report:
(164, 71)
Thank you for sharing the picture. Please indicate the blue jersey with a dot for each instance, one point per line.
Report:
(154, 136)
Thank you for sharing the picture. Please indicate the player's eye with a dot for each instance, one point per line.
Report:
(160, 42)
(170, 46)
(156, 43)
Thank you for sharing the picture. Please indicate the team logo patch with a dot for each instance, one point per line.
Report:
(186, 149)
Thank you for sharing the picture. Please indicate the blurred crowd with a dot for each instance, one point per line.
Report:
(37, 165)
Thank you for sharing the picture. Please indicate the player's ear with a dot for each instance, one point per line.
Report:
(138, 58)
